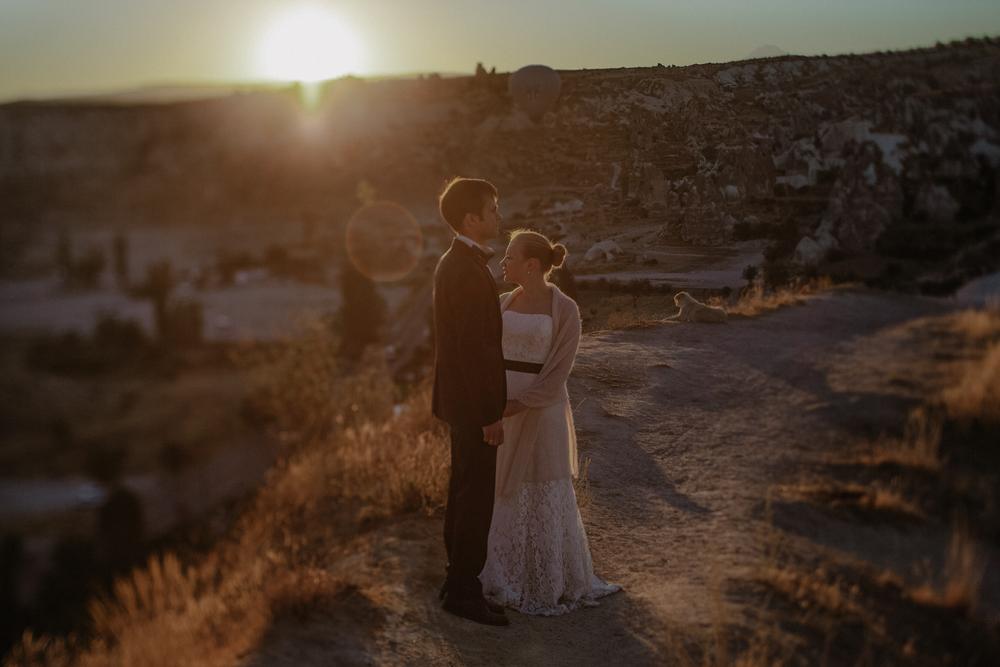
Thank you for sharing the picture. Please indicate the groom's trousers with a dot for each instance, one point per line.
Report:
(469, 511)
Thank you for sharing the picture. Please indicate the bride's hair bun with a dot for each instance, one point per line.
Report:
(537, 246)
(558, 255)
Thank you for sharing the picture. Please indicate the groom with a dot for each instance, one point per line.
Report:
(470, 389)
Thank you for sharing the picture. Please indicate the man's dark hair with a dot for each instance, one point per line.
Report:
(464, 195)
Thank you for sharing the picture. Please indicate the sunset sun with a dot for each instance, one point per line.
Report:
(309, 44)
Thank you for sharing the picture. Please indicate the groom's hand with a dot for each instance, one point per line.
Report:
(493, 434)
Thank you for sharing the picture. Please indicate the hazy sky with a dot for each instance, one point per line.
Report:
(69, 46)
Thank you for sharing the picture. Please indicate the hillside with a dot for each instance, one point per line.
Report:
(689, 430)
(890, 154)
(761, 489)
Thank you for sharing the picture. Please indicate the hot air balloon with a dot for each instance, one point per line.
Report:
(535, 89)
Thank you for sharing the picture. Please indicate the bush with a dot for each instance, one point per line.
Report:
(228, 263)
(114, 333)
(184, 323)
(86, 271)
(301, 391)
(115, 342)
(777, 273)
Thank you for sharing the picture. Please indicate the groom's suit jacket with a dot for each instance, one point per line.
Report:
(470, 383)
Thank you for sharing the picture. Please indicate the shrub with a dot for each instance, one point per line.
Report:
(114, 342)
(777, 273)
(113, 333)
(184, 322)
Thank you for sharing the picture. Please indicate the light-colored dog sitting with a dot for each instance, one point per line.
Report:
(692, 310)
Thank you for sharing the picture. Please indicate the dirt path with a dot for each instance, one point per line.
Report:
(686, 427)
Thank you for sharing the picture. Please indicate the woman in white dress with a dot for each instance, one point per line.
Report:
(538, 559)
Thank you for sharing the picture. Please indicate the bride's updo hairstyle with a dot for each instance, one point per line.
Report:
(536, 246)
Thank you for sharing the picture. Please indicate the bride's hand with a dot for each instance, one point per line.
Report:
(513, 407)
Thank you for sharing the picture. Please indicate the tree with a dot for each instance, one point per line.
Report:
(119, 249)
(362, 312)
(64, 256)
(565, 280)
(158, 285)
(87, 270)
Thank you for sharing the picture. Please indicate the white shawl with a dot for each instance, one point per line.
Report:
(519, 460)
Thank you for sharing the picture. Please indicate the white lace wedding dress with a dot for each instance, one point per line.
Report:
(538, 559)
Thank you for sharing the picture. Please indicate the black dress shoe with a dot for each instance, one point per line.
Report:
(495, 608)
(474, 610)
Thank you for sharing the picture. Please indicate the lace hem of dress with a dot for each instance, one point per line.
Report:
(539, 560)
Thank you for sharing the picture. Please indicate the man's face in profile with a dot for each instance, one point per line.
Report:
(490, 219)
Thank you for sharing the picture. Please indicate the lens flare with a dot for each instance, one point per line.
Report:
(384, 241)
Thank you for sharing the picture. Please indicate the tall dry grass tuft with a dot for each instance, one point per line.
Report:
(396, 466)
(724, 645)
(919, 446)
(978, 323)
(976, 396)
(40, 651)
(959, 585)
(162, 587)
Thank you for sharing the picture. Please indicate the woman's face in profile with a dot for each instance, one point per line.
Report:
(514, 265)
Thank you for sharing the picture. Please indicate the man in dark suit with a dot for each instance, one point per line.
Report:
(470, 389)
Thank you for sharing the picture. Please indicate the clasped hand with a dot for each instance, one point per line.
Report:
(493, 434)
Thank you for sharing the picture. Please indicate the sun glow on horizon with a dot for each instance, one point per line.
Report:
(309, 44)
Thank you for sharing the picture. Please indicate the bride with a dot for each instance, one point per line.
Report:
(538, 559)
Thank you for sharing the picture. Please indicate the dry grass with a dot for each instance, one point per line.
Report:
(625, 312)
(860, 499)
(340, 469)
(976, 396)
(978, 323)
(629, 319)
(302, 390)
(813, 589)
(843, 610)
(919, 446)
(959, 585)
(757, 300)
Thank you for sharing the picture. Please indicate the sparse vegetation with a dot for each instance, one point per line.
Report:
(82, 272)
(157, 287)
(114, 343)
(328, 487)
(958, 587)
(937, 477)
(976, 398)
(757, 300)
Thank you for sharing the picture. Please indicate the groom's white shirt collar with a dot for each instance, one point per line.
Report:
(472, 244)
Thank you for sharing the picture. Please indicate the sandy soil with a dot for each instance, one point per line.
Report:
(687, 427)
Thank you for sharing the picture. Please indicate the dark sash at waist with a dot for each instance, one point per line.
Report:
(522, 366)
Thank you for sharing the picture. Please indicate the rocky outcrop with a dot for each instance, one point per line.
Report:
(850, 144)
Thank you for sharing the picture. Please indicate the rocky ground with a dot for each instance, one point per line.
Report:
(689, 429)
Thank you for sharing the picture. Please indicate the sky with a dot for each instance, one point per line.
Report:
(65, 47)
